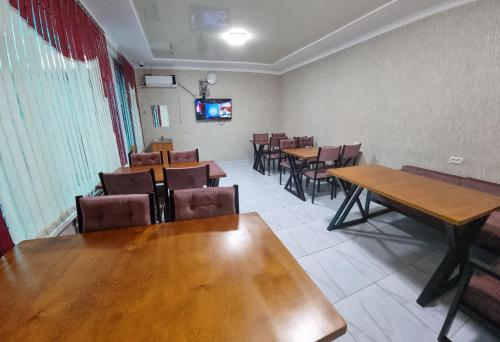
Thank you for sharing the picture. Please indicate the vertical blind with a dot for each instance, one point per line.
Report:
(59, 118)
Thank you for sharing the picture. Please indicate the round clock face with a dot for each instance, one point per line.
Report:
(211, 78)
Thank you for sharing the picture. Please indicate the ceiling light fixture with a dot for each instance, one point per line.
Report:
(236, 36)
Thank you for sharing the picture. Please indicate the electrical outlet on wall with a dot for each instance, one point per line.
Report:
(456, 160)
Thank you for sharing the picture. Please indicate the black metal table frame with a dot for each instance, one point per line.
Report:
(258, 164)
(459, 241)
(294, 179)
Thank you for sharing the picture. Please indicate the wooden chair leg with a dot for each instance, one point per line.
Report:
(269, 167)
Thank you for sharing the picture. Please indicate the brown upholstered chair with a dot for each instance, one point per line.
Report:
(175, 157)
(350, 154)
(327, 158)
(260, 137)
(141, 159)
(283, 163)
(131, 183)
(274, 153)
(207, 202)
(304, 141)
(478, 291)
(278, 135)
(114, 211)
(184, 178)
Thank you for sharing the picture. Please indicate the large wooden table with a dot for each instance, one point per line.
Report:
(463, 210)
(293, 154)
(226, 278)
(215, 172)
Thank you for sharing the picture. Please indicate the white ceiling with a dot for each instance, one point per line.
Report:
(286, 34)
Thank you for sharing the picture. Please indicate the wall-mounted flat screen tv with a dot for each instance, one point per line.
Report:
(213, 109)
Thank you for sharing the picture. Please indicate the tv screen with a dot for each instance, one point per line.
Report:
(213, 109)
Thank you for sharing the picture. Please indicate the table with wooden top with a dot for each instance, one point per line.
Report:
(226, 278)
(294, 184)
(215, 172)
(258, 153)
(463, 210)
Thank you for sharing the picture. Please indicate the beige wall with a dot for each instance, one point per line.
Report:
(255, 109)
(416, 95)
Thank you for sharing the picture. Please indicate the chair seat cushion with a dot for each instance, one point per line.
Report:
(286, 164)
(273, 155)
(322, 173)
(489, 235)
(483, 296)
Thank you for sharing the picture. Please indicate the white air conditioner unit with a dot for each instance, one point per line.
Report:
(160, 81)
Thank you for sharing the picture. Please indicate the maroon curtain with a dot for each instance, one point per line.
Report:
(71, 30)
(5, 241)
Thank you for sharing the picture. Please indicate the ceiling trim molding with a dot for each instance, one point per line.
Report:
(304, 55)
(385, 29)
(131, 2)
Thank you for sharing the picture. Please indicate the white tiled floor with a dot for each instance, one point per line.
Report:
(372, 272)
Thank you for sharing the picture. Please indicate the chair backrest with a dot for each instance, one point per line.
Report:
(114, 211)
(186, 177)
(350, 154)
(140, 159)
(260, 137)
(175, 157)
(275, 142)
(282, 135)
(287, 143)
(207, 202)
(329, 153)
(304, 141)
(128, 183)
(351, 151)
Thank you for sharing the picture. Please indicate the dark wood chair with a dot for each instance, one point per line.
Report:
(141, 159)
(205, 202)
(132, 183)
(114, 211)
(184, 178)
(175, 157)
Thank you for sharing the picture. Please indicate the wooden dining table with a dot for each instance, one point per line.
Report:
(463, 210)
(226, 278)
(215, 171)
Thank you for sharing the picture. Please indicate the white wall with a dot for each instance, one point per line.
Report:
(416, 95)
(255, 109)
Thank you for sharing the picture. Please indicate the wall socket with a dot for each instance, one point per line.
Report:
(456, 160)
